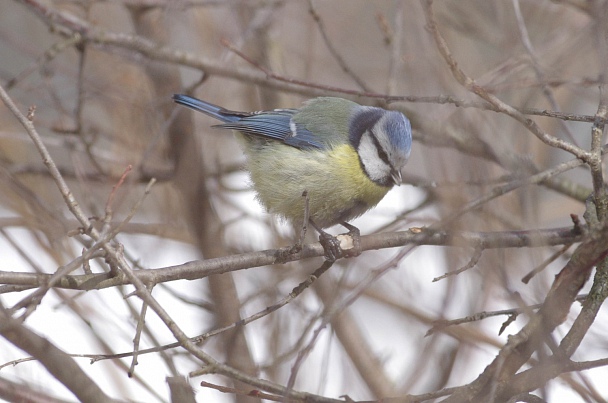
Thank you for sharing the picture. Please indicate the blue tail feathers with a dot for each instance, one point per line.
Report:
(207, 108)
(274, 125)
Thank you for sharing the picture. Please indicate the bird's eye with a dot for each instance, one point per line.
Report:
(381, 153)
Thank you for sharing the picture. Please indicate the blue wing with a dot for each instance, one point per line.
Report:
(275, 125)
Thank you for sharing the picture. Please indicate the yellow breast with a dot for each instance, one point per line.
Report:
(338, 189)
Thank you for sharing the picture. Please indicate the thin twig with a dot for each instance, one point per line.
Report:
(509, 187)
(68, 24)
(440, 325)
(50, 54)
(525, 279)
(332, 49)
(121, 180)
(141, 321)
(471, 263)
(595, 162)
(395, 38)
(468, 83)
(27, 123)
(253, 393)
(525, 38)
(270, 309)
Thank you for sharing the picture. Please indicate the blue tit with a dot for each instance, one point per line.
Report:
(344, 155)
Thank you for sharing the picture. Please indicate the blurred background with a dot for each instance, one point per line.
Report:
(101, 74)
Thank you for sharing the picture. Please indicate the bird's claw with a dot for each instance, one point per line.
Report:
(339, 247)
(331, 246)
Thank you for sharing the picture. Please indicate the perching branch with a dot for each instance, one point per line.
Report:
(203, 268)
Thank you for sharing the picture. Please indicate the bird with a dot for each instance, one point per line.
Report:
(330, 160)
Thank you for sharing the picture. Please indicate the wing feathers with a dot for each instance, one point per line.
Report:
(275, 125)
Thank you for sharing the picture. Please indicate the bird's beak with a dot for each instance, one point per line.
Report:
(396, 175)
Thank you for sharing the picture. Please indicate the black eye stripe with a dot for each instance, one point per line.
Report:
(381, 153)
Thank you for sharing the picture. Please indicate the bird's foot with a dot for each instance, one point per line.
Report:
(297, 247)
(344, 245)
(331, 246)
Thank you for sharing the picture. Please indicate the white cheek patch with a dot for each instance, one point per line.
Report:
(376, 169)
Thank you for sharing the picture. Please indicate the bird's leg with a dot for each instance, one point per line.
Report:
(355, 234)
(331, 244)
(297, 247)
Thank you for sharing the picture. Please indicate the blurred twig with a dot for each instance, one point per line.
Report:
(332, 49)
(68, 24)
(500, 106)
